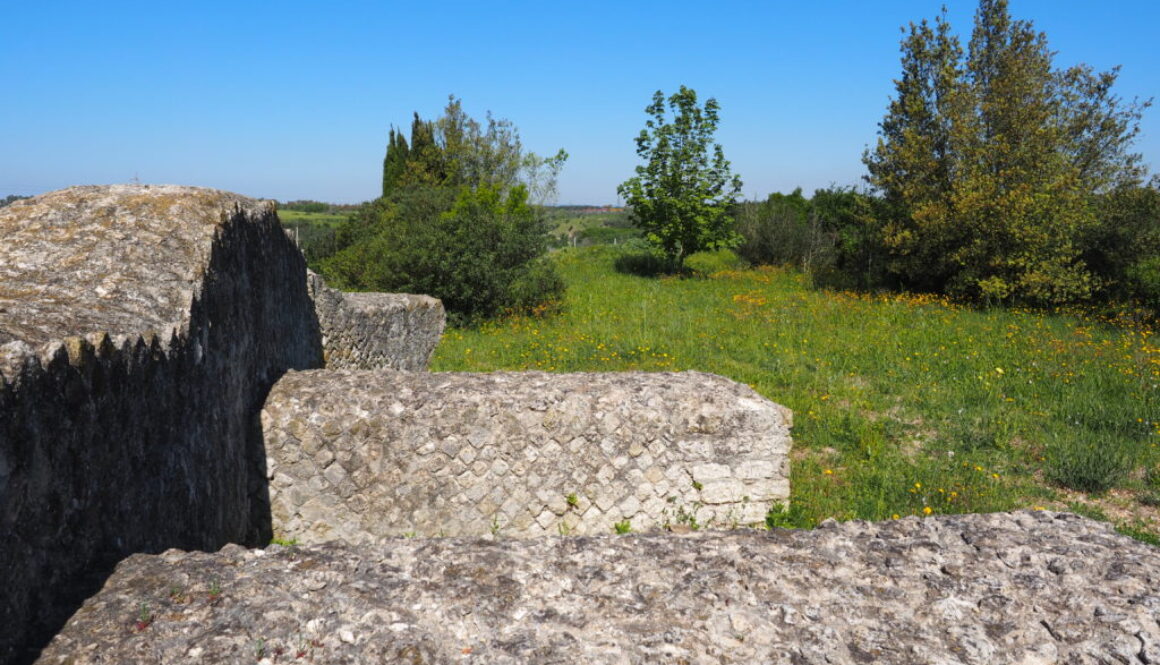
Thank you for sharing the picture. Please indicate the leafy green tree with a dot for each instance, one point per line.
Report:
(682, 195)
(989, 162)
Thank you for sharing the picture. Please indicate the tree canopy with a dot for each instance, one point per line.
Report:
(989, 159)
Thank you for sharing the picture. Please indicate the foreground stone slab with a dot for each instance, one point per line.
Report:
(363, 456)
(140, 329)
(376, 330)
(1002, 588)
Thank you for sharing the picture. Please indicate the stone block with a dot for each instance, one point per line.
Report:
(733, 464)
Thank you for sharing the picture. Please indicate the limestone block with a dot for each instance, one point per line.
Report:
(444, 454)
(140, 327)
(963, 589)
(376, 330)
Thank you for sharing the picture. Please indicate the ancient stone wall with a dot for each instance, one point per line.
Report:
(363, 456)
(376, 330)
(140, 329)
(976, 589)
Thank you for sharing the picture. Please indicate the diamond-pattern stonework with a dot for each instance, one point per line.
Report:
(518, 454)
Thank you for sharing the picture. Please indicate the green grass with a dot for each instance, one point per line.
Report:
(903, 404)
(291, 218)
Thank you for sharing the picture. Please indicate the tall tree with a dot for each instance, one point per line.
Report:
(990, 161)
(395, 162)
(681, 196)
(914, 162)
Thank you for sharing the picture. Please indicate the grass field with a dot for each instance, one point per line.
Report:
(904, 405)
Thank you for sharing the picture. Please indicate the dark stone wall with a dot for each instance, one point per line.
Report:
(143, 442)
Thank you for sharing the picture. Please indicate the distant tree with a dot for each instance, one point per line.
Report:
(395, 162)
(682, 195)
(11, 198)
(456, 150)
(989, 162)
(455, 220)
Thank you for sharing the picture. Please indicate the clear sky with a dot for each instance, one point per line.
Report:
(293, 100)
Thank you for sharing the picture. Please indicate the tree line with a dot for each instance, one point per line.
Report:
(995, 177)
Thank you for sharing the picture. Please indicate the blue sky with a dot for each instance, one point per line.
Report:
(293, 100)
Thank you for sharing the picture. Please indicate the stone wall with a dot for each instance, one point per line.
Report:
(376, 330)
(140, 329)
(978, 589)
(363, 456)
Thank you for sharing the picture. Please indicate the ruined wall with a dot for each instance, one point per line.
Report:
(979, 589)
(140, 329)
(362, 456)
(376, 330)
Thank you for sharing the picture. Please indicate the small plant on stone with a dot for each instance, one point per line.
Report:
(144, 618)
(698, 486)
(563, 529)
(284, 542)
(573, 500)
(495, 526)
(623, 527)
(215, 590)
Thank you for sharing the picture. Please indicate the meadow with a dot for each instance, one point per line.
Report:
(903, 404)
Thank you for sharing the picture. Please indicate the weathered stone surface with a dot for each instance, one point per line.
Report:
(362, 456)
(140, 329)
(1000, 588)
(376, 330)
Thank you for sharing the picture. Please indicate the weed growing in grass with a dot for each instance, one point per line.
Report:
(988, 410)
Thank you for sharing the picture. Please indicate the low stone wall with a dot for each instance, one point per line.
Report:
(363, 456)
(140, 329)
(979, 589)
(376, 330)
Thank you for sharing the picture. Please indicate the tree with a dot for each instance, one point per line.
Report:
(455, 221)
(990, 162)
(913, 164)
(395, 162)
(456, 150)
(682, 195)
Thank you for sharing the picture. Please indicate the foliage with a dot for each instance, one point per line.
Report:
(705, 264)
(11, 198)
(1093, 465)
(888, 390)
(682, 195)
(307, 206)
(1123, 250)
(458, 151)
(478, 250)
(833, 236)
(988, 162)
(455, 221)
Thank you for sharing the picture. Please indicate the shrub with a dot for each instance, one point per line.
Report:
(481, 254)
(703, 264)
(1092, 465)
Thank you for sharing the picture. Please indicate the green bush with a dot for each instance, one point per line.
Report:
(638, 257)
(479, 252)
(703, 264)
